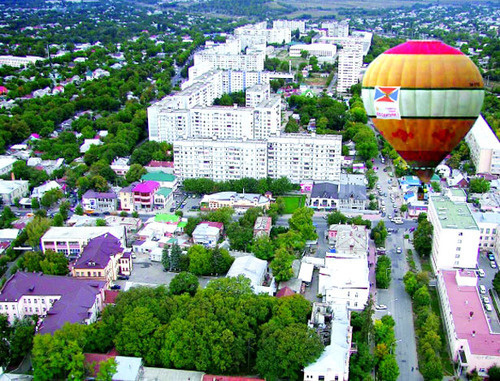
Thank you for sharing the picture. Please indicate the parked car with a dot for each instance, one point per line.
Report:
(380, 307)
(482, 289)
(399, 250)
(486, 300)
(491, 257)
(481, 273)
(123, 277)
(487, 307)
(172, 210)
(493, 264)
(115, 287)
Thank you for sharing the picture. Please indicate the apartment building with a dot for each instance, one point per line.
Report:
(6, 164)
(290, 24)
(336, 28)
(472, 341)
(256, 94)
(484, 147)
(349, 67)
(220, 160)
(15, 61)
(304, 157)
(237, 201)
(258, 36)
(456, 234)
(321, 51)
(10, 190)
(99, 202)
(488, 224)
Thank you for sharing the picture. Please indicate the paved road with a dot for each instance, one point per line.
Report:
(399, 306)
(484, 263)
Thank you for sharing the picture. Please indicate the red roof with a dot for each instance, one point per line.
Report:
(285, 291)
(424, 47)
(218, 225)
(209, 377)
(157, 163)
(96, 358)
(110, 296)
(3, 90)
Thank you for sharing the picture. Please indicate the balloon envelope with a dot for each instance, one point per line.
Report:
(423, 97)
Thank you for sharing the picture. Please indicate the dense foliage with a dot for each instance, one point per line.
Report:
(222, 329)
(248, 185)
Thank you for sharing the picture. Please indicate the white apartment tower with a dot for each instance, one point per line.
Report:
(336, 28)
(456, 234)
(290, 24)
(349, 68)
(484, 147)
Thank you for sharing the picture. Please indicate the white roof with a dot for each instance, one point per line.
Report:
(157, 228)
(8, 234)
(88, 143)
(226, 196)
(344, 273)
(127, 368)
(5, 161)
(483, 134)
(204, 229)
(64, 233)
(155, 374)
(306, 272)
(7, 186)
(249, 266)
(40, 191)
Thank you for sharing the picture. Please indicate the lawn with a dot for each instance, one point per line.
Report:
(293, 202)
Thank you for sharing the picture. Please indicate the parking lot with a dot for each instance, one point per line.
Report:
(486, 281)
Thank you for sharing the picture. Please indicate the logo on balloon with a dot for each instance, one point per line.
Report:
(386, 102)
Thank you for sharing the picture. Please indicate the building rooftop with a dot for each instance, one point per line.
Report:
(355, 191)
(146, 187)
(249, 266)
(227, 196)
(155, 374)
(97, 253)
(488, 218)
(168, 218)
(453, 215)
(85, 232)
(484, 136)
(263, 223)
(464, 301)
(344, 273)
(5, 161)
(165, 192)
(94, 194)
(77, 296)
(7, 186)
(325, 190)
(158, 176)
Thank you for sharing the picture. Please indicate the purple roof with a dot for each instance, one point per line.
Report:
(97, 253)
(77, 296)
(129, 188)
(93, 194)
(146, 187)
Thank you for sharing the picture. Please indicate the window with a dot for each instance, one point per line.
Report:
(460, 234)
(457, 256)
(459, 248)
(459, 241)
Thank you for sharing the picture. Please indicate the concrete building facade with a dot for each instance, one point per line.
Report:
(484, 147)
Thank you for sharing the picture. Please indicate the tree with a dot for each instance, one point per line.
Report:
(383, 272)
(422, 238)
(135, 214)
(7, 217)
(34, 203)
(106, 370)
(79, 210)
(101, 222)
(36, 229)
(281, 265)
(292, 241)
(496, 282)
(30, 261)
(240, 237)
(479, 185)
(301, 221)
(64, 209)
(220, 261)
(50, 197)
(404, 208)
(99, 183)
(58, 220)
(263, 248)
(5, 332)
(199, 260)
(54, 263)
(292, 126)
(175, 257)
(388, 369)
(284, 352)
(410, 282)
(336, 218)
(184, 282)
(494, 373)
(135, 172)
(436, 186)
(191, 224)
(421, 297)
(379, 234)
(165, 258)
(21, 340)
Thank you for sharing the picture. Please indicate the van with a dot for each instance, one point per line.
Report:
(482, 289)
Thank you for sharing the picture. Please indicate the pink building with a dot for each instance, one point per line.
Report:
(143, 194)
(472, 342)
(262, 226)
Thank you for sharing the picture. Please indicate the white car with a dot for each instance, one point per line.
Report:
(493, 264)
(488, 308)
(482, 289)
(486, 300)
(481, 273)
(380, 307)
(398, 250)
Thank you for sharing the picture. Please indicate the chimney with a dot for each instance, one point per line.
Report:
(12, 176)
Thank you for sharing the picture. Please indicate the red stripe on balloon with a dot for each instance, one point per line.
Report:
(424, 47)
(424, 158)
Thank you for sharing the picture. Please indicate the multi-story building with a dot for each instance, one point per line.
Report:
(99, 202)
(256, 94)
(258, 36)
(488, 224)
(143, 195)
(237, 201)
(484, 147)
(15, 61)
(473, 343)
(126, 198)
(336, 28)
(456, 234)
(71, 240)
(290, 24)
(166, 180)
(103, 258)
(348, 240)
(6, 164)
(304, 157)
(12, 190)
(220, 160)
(55, 299)
(298, 157)
(321, 51)
(262, 227)
(208, 233)
(349, 67)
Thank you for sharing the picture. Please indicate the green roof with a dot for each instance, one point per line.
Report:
(158, 176)
(453, 215)
(182, 224)
(164, 191)
(435, 178)
(458, 192)
(167, 218)
(172, 240)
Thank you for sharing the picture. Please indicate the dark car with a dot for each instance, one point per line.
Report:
(491, 257)
(123, 277)
(172, 210)
(115, 287)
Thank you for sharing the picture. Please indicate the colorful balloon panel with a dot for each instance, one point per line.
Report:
(423, 97)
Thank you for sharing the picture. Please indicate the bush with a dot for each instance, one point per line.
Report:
(383, 272)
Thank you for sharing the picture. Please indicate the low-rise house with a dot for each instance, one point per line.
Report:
(6, 238)
(237, 201)
(163, 197)
(10, 190)
(126, 197)
(143, 195)
(324, 196)
(208, 233)
(165, 180)
(48, 166)
(127, 368)
(120, 166)
(254, 269)
(103, 259)
(130, 224)
(348, 240)
(70, 240)
(332, 323)
(160, 166)
(417, 207)
(488, 202)
(352, 196)
(457, 180)
(472, 342)
(55, 299)
(262, 227)
(38, 192)
(99, 202)
(87, 143)
(6, 164)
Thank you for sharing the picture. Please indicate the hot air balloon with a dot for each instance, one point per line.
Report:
(423, 97)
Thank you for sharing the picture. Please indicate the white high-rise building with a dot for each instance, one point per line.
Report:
(290, 24)
(456, 234)
(220, 160)
(297, 157)
(257, 36)
(256, 94)
(349, 67)
(16, 61)
(484, 147)
(336, 28)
